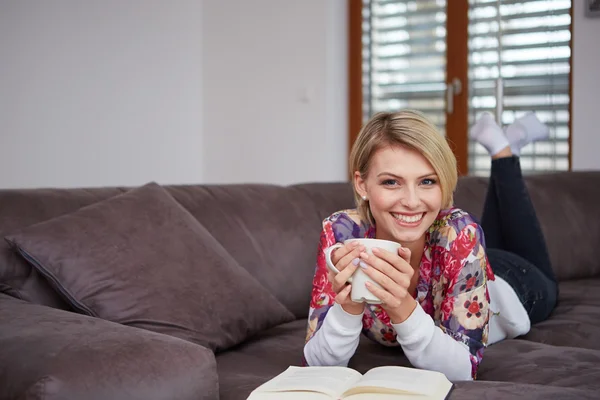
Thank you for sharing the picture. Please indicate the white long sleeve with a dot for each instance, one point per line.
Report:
(424, 344)
(428, 347)
(337, 339)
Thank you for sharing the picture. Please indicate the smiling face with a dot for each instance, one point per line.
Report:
(403, 193)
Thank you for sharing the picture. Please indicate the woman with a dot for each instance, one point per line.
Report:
(441, 301)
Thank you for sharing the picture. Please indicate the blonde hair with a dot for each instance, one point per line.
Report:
(411, 129)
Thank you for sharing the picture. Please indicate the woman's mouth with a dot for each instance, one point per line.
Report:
(409, 220)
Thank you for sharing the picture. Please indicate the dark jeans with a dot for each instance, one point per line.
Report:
(515, 244)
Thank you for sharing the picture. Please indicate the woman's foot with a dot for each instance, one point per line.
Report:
(525, 130)
(487, 133)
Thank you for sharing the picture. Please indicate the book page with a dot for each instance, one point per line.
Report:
(329, 380)
(401, 379)
(303, 395)
(374, 395)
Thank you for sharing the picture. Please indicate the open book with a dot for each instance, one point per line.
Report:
(381, 383)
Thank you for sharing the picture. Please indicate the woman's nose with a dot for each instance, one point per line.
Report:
(410, 198)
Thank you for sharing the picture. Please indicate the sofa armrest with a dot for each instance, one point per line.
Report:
(47, 353)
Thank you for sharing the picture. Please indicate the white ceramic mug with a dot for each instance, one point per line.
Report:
(360, 293)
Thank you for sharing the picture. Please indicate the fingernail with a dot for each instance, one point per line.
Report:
(354, 244)
(355, 261)
(364, 255)
(375, 250)
(363, 265)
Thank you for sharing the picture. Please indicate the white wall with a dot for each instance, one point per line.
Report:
(274, 90)
(586, 89)
(259, 129)
(196, 91)
(100, 92)
(186, 91)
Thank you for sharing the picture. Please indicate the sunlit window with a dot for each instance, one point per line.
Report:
(525, 43)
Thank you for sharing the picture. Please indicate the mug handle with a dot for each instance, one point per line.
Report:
(328, 259)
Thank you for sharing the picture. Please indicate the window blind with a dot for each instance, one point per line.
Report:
(404, 57)
(527, 44)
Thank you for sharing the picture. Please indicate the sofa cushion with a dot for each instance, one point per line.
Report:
(566, 205)
(269, 353)
(523, 361)
(470, 194)
(477, 390)
(271, 231)
(24, 207)
(142, 260)
(245, 367)
(54, 354)
(575, 322)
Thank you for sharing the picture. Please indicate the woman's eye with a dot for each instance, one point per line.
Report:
(428, 182)
(389, 182)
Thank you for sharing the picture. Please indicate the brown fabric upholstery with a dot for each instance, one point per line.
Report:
(565, 204)
(249, 219)
(501, 391)
(21, 208)
(521, 368)
(271, 231)
(142, 260)
(523, 361)
(53, 354)
(575, 321)
(567, 208)
(470, 194)
(259, 359)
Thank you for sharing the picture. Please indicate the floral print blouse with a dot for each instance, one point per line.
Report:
(451, 287)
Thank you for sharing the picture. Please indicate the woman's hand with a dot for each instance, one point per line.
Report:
(346, 259)
(394, 273)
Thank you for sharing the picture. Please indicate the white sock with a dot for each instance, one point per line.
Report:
(487, 133)
(525, 130)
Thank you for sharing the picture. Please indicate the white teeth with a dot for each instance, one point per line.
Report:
(407, 218)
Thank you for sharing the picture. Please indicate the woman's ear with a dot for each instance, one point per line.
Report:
(359, 185)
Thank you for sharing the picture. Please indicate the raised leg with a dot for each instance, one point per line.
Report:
(521, 231)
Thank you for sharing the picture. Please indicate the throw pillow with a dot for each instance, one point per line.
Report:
(142, 260)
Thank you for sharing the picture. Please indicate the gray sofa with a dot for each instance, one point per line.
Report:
(50, 351)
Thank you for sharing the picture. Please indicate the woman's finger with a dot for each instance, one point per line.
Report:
(341, 252)
(397, 283)
(405, 253)
(384, 266)
(387, 298)
(395, 260)
(349, 258)
(342, 278)
(344, 295)
(331, 277)
(336, 284)
(384, 280)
